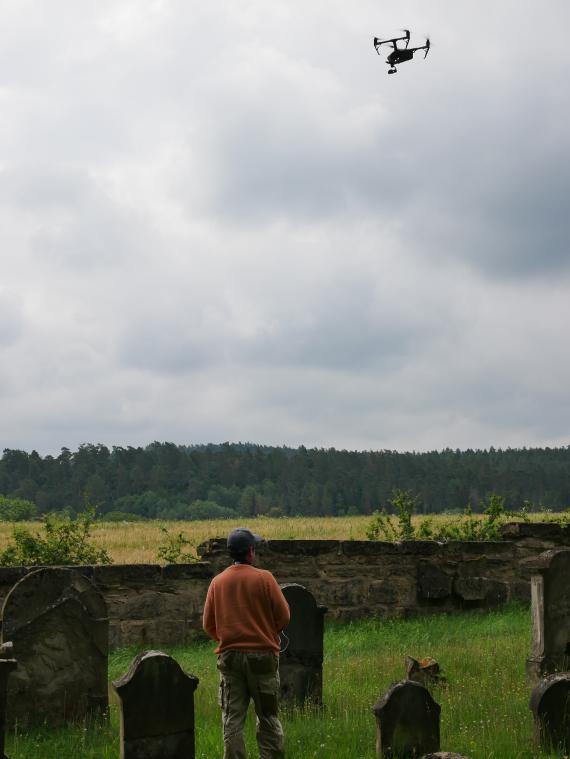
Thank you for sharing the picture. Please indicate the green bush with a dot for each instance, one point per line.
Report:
(463, 527)
(399, 527)
(16, 509)
(65, 541)
(172, 550)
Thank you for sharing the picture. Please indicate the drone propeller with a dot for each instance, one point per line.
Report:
(428, 45)
(407, 31)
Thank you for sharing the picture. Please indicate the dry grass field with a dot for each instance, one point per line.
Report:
(138, 542)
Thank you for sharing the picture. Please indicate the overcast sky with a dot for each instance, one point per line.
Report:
(224, 221)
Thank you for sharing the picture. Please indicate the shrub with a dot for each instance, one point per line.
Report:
(463, 527)
(171, 550)
(16, 509)
(386, 527)
(65, 541)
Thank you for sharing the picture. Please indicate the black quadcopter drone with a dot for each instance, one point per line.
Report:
(400, 54)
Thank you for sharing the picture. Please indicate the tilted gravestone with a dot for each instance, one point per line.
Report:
(58, 624)
(550, 599)
(7, 666)
(157, 709)
(550, 705)
(301, 659)
(407, 721)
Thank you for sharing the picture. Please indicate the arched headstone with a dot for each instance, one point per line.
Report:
(58, 624)
(301, 661)
(550, 705)
(157, 709)
(407, 721)
(550, 603)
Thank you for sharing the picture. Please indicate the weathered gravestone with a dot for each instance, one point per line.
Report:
(301, 661)
(57, 622)
(550, 599)
(550, 705)
(7, 666)
(407, 721)
(157, 709)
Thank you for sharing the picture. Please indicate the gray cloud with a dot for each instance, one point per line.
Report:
(11, 318)
(227, 222)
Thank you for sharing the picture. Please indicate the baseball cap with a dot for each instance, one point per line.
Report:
(241, 540)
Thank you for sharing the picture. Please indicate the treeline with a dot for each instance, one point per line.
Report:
(168, 481)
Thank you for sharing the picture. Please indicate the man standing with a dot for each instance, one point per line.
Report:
(245, 611)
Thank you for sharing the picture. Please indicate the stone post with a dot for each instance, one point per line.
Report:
(7, 666)
(550, 604)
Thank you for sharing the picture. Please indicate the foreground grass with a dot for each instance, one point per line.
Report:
(138, 542)
(484, 714)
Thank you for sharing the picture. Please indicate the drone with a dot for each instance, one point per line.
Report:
(400, 54)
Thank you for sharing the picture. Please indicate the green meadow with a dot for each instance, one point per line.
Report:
(484, 702)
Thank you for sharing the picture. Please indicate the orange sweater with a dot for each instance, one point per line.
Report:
(245, 609)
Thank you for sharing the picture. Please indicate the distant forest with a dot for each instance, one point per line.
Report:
(168, 481)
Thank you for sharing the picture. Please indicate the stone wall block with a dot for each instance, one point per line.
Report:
(484, 566)
(382, 592)
(187, 601)
(534, 531)
(481, 589)
(127, 575)
(177, 572)
(434, 582)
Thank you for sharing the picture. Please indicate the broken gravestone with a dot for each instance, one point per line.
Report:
(423, 671)
(157, 709)
(407, 721)
(57, 622)
(550, 602)
(7, 666)
(301, 659)
(550, 705)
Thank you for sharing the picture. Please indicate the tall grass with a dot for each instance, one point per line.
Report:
(484, 713)
(138, 542)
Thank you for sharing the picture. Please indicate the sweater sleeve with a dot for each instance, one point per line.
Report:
(209, 616)
(281, 612)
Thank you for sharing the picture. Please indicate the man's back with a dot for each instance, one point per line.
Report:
(245, 610)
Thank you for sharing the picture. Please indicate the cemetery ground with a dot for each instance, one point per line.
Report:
(484, 702)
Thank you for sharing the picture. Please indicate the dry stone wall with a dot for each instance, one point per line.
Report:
(150, 605)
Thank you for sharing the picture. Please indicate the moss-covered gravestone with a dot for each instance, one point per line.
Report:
(301, 660)
(407, 721)
(58, 624)
(157, 709)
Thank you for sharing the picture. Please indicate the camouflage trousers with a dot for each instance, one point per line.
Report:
(255, 676)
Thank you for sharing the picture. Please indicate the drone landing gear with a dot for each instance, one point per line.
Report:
(393, 71)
